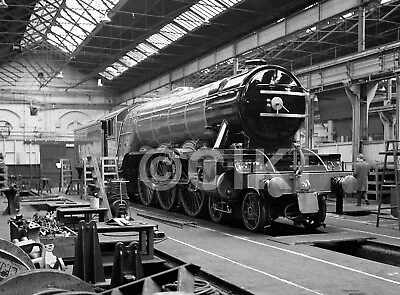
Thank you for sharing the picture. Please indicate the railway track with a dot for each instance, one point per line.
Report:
(286, 259)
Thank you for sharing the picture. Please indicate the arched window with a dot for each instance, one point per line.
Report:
(5, 129)
(74, 125)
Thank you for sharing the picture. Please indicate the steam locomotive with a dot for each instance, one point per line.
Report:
(228, 148)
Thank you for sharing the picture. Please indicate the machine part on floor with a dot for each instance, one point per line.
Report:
(59, 265)
(11, 265)
(36, 251)
(224, 286)
(184, 275)
(88, 264)
(44, 282)
(21, 227)
(168, 220)
(119, 208)
(13, 203)
(200, 287)
(13, 260)
(127, 266)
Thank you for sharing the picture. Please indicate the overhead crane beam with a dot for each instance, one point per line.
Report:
(374, 64)
(283, 29)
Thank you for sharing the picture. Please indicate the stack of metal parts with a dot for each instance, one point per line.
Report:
(118, 197)
(49, 225)
(41, 224)
(128, 275)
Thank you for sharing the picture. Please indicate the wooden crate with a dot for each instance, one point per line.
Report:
(64, 247)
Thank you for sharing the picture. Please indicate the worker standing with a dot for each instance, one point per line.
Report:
(361, 170)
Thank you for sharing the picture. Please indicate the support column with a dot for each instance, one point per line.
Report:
(360, 97)
(235, 65)
(361, 26)
(397, 118)
(309, 122)
(330, 131)
(388, 116)
(388, 119)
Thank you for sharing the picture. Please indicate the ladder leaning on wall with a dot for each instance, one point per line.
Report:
(391, 150)
(92, 176)
(66, 173)
(109, 169)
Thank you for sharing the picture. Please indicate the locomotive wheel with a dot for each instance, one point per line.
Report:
(146, 194)
(192, 199)
(254, 213)
(167, 198)
(316, 220)
(215, 215)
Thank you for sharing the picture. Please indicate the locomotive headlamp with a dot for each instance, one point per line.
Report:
(349, 184)
(276, 186)
(305, 185)
(277, 104)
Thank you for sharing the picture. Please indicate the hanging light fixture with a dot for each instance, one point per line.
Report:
(16, 47)
(3, 4)
(40, 76)
(105, 19)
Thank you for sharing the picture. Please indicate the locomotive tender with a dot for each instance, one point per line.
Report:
(228, 148)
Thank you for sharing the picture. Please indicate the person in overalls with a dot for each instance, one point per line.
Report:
(361, 170)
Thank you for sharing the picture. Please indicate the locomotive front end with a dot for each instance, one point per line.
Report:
(272, 106)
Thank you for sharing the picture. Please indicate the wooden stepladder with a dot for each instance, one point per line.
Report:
(391, 150)
(109, 169)
(66, 173)
(92, 177)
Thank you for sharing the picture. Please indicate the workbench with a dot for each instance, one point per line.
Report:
(145, 233)
(53, 206)
(88, 212)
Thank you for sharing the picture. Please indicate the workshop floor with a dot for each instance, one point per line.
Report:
(258, 262)
(348, 208)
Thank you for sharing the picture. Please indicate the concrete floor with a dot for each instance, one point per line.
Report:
(264, 264)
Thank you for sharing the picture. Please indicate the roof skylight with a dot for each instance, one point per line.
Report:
(136, 55)
(106, 75)
(189, 20)
(146, 49)
(67, 23)
(69, 28)
(126, 60)
(198, 15)
(172, 32)
(158, 40)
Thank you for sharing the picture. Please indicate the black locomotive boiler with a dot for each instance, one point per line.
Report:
(228, 148)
